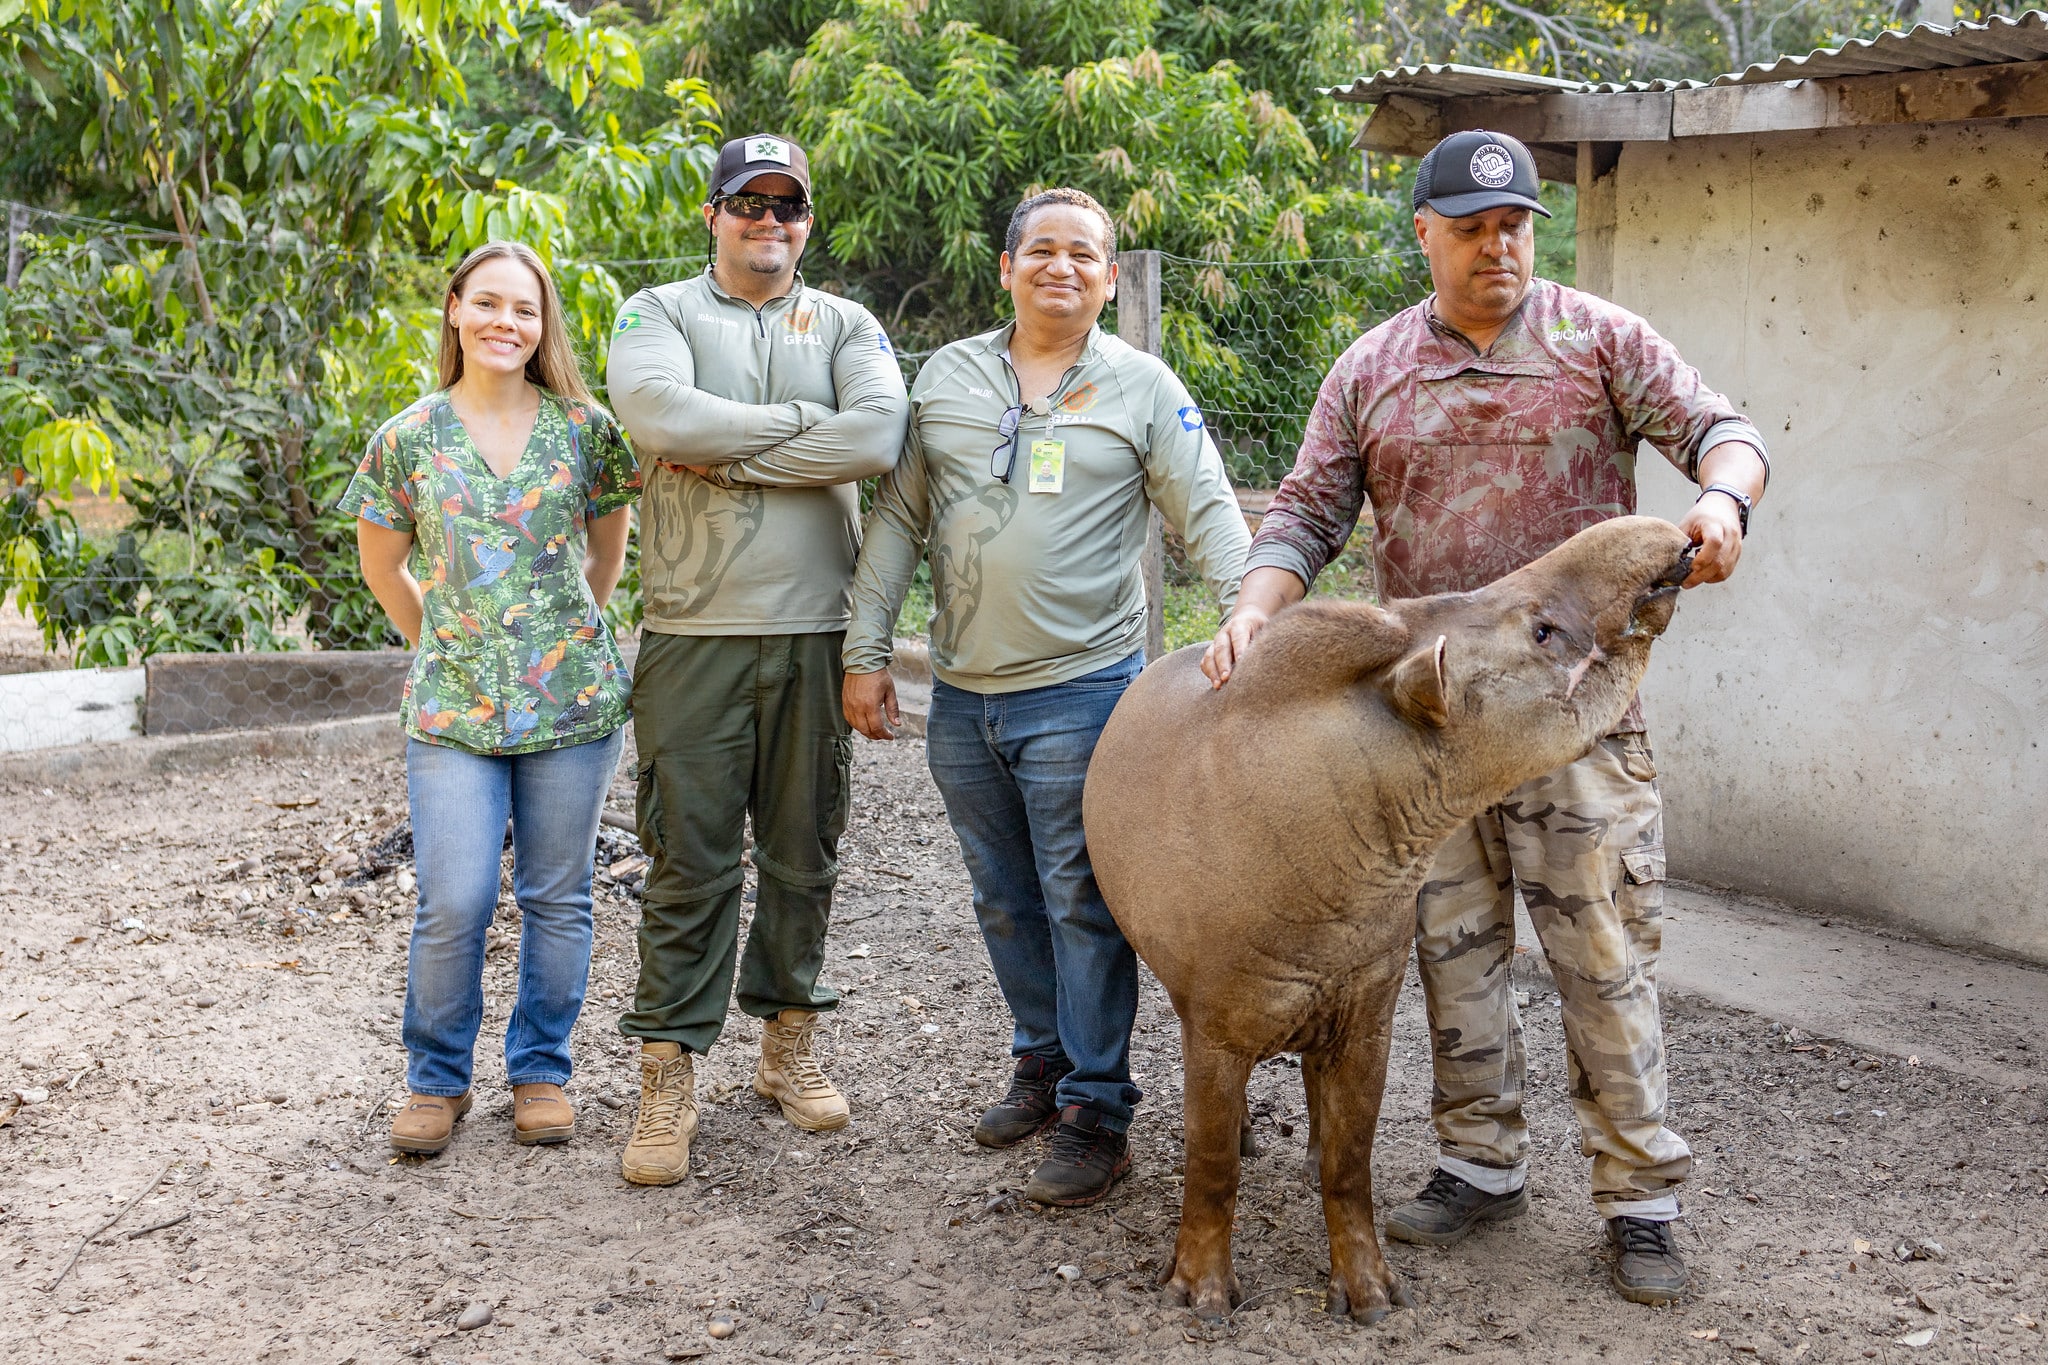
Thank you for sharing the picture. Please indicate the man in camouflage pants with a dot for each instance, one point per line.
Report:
(1485, 426)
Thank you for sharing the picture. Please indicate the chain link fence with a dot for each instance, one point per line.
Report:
(1252, 340)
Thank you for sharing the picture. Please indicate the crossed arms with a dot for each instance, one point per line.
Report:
(652, 375)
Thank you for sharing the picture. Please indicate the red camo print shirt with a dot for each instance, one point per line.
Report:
(1475, 464)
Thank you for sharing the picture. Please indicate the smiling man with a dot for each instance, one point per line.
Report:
(1034, 452)
(1485, 426)
(756, 405)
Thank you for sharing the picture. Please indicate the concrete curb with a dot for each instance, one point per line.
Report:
(359, 737)
(354, 737)
(200, 693)
(70, 706)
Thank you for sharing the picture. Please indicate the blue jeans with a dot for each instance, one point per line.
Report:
(1010, 767)
(460, 803)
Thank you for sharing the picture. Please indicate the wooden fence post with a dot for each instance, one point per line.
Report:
(1137, 322)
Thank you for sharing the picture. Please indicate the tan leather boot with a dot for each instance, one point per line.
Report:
(427, 1122)
(541, 1115)
(789, 1074)
(658, 1153)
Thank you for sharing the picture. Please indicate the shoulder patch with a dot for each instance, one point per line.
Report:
(1191, 418)
(883, 339)
(626, 323)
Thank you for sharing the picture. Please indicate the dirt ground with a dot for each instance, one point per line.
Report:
(191, 988)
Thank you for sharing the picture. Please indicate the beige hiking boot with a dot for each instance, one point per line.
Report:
(427, 1122)
(541, 1115)
(789, 1074)
(658, 1153)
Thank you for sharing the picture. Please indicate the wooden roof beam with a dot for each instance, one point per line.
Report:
(1552, 125)
(1408, 126)
(2003, 90)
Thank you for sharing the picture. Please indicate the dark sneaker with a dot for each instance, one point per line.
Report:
(1085, 1160)
(1447, 1209)
(1028, 1108)
(1647, 1267)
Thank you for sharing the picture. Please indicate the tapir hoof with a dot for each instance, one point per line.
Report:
(1210, 1297)
(1369, 1307)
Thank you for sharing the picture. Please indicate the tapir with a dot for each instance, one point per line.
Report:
(1261, 844)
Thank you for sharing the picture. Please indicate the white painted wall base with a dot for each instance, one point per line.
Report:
(75, 706)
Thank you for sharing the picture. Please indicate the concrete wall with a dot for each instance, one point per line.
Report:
(75, 706)
(1856, 721)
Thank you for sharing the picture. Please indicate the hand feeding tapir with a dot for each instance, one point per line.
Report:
(1262, 844)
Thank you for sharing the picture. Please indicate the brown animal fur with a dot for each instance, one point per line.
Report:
(1262, 845)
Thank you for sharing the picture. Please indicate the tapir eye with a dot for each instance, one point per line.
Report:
(1543, 632)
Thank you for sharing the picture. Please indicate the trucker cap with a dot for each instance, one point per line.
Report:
(743, 158)
(1474, 171)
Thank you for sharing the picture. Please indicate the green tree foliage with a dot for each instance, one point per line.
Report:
(1197, 125)
(927, 120)
(307, 169)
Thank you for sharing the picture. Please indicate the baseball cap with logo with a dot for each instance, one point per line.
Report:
(1474, 171)
(744, 158)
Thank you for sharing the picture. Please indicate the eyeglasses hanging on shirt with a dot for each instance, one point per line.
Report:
(1003, 459)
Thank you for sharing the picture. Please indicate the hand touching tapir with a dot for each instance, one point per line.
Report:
(1261, 845)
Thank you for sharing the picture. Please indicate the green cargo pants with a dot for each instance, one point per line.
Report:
(732, 727)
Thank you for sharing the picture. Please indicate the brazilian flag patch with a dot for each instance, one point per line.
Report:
(626, 323)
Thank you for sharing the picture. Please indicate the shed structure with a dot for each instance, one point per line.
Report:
(1853, 245)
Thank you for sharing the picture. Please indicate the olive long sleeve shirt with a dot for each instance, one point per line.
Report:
(788, 405)
(1036, 580)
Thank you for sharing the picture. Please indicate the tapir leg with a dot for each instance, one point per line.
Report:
(1312, 1163)
(1213, 1116)
(1349, 1079)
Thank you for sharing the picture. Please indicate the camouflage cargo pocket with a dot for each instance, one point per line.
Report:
(1641, 901)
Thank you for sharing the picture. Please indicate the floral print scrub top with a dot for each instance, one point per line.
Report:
(514, 654)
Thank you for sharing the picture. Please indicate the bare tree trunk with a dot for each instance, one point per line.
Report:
(1913, 13)
(192, 246)
(1738, 51)
(319, 602)
(17, 224)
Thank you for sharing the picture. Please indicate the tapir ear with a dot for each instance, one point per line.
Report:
(1415, 686)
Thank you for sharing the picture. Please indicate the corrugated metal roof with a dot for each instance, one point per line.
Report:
(1926, 48)
(1437, 82)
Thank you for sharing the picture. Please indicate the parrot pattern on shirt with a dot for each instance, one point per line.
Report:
(513, 656)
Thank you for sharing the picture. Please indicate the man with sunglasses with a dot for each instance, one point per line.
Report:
(1034, 453)
(1477, 430)
(756, 405)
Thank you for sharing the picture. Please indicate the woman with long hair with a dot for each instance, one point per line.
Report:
(491, 523)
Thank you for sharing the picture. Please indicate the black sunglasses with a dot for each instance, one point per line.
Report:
(1003, 459)
(753, 206)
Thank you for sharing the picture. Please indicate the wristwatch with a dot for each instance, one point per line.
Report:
(1741, 504)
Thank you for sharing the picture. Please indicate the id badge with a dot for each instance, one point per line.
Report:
(1048, 466)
